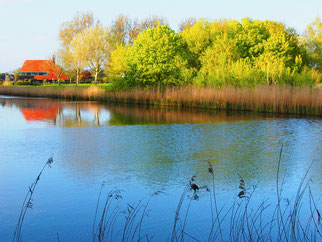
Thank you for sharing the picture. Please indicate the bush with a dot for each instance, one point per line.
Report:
(21, 82)
(88, 81)
(106, 79)
(26, 82)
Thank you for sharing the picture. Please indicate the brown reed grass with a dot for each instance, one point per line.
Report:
(269, 98)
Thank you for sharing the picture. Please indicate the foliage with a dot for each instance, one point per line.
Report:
(71, 28)
(124, 30)
(75, 57)
(117, 65)
(71, 39)
(26, 82)
(314, 43)
(223, 52)
(94, 42)
(85, 75)
(157, 58)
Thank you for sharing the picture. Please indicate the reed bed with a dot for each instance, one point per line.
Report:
(270, 98)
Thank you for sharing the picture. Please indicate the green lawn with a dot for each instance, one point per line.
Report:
(105, 86)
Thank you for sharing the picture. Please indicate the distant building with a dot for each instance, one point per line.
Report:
(41, 69)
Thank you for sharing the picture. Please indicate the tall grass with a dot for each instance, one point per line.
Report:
(270, 98)
(242, 221)
(245, 220)
(27, 203)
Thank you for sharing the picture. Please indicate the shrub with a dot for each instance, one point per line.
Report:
(106, 79)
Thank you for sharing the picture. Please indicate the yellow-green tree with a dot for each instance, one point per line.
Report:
(95, 45)
(197, 38)
(71, 51)
(76, 56)
(117, 66)
(69, 29)
(314, 44)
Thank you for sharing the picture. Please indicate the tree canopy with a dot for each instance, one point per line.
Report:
(148, 52)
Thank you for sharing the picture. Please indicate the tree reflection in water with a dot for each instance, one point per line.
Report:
(86, 114)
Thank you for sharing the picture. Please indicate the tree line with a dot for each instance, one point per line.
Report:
(148, 53)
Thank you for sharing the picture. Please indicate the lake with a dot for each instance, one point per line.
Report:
(141, 151)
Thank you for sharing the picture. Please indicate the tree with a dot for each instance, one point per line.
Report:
(56, 66)
(71, 28)
(197, 39)
(117, 66)
(157, 58)
(75, 57)
(314, 36)
(276, 57)
(71, 51)
(85, 75)
(95, 47)
(124, 31)
(152, 22)
(187, 23)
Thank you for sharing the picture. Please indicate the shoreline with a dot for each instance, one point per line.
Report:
(263, 99)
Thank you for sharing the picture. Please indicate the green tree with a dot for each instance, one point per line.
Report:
(276, 57)
(157, 58)
(197, 38)
(313, 34)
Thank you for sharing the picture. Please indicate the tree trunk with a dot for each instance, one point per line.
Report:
(96, 74)
(77, 77)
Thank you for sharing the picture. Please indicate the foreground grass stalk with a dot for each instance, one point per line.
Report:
(211, 171)
(27, 202)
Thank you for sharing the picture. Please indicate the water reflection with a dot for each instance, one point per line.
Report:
(194, 138)
(86, 114)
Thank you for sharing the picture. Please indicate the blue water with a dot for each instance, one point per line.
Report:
(139, 151)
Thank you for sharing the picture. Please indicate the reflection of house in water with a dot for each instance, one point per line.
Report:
(40, 113)
(58, 113)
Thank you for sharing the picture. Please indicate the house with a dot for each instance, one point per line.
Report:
(41, 69)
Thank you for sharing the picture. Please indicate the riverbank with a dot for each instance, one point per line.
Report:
(270, 99)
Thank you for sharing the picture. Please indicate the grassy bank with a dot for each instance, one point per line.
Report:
(272, 99)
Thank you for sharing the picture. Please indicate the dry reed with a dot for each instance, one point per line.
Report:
(273, 99)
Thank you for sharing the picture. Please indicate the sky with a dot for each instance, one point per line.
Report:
(29, 28)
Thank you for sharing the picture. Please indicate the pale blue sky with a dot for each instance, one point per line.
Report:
(29, 28)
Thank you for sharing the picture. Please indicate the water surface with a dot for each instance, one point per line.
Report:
(141, 150)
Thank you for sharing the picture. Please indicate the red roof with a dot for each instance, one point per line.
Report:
(43, 66)
(36, 66)
(51, 77)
